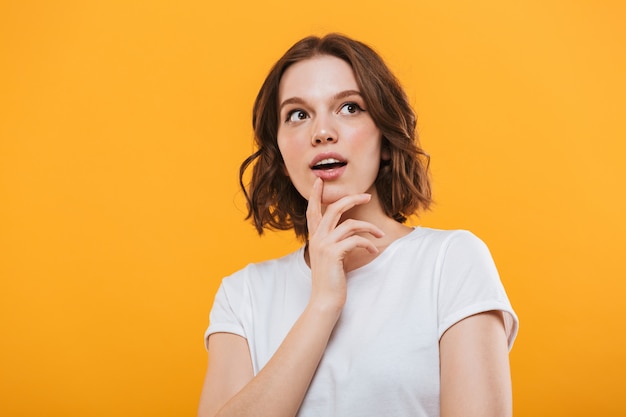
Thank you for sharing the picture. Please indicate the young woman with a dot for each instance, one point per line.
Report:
(370, 317)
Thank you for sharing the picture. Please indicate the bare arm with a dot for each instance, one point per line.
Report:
(229, 370)
(280, 387)
(230, 388)
(475, 375)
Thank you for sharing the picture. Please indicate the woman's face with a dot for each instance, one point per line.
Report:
(325, 130)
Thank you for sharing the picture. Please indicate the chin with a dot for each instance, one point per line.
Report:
(327, 201)
(331, 196)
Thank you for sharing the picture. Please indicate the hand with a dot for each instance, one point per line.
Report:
(330, 243)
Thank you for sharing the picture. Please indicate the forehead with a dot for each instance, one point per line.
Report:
(319, 76)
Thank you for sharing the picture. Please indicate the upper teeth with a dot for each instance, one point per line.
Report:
(328, 161)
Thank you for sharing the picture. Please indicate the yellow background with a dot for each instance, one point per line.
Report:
(122, 126)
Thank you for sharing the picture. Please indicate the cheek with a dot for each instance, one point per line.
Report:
(289, 152)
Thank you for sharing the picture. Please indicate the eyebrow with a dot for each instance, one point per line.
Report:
(338, 96)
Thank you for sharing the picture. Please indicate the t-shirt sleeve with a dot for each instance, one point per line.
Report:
(224, 314)
(470, 284)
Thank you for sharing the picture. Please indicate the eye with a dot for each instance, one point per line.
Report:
(296, 115)
(350, 108)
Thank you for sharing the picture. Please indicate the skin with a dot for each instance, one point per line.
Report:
(348, 229)
(322, 112)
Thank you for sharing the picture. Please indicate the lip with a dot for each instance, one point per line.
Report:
(328, 174)
(327, 155)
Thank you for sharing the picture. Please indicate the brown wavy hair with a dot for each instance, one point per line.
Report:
(402, 184)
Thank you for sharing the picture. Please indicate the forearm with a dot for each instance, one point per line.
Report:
(279, 388)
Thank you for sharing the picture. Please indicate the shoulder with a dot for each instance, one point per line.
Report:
(441, 242)
(444, 236)
(265, 272)
(447, 252)
(455, 250)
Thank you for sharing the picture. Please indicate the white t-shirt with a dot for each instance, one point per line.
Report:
(382, 358)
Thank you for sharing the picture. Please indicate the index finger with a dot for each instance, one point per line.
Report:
(314, 208)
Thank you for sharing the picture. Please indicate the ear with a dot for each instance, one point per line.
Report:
(385, 152)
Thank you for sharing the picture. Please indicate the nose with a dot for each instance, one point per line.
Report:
(323, 133)
(322, 137)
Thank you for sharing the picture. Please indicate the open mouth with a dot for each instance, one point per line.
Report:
(328, 163)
